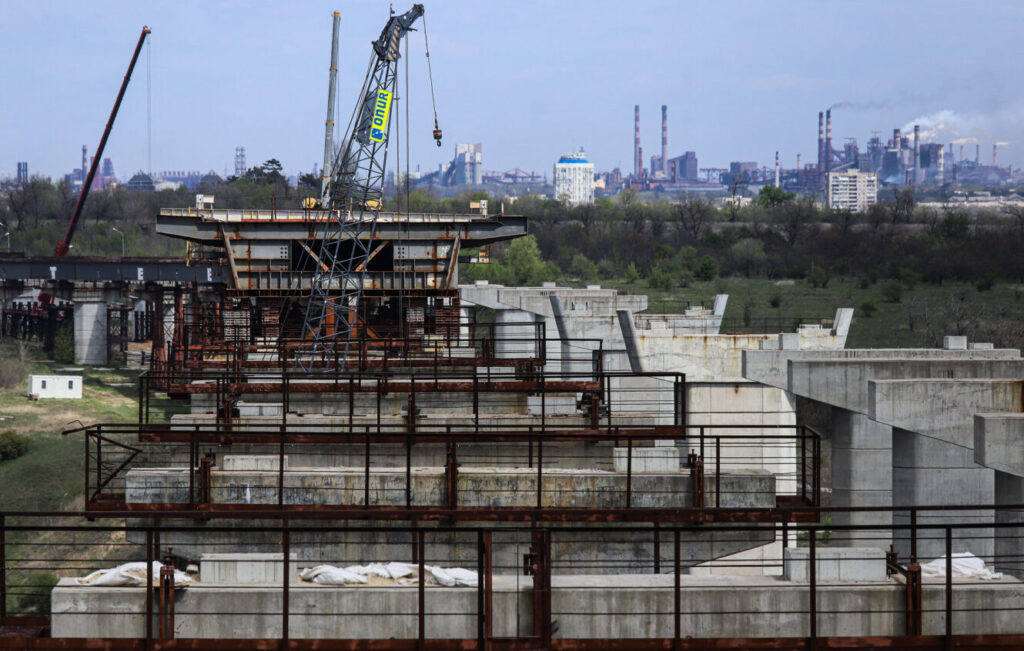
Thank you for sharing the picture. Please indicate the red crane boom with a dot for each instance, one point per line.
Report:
(65, 244)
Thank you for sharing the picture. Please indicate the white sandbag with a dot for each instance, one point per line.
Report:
(401, 570)
(453, 576)
(964, 564)
(131, 574)
(331, 575)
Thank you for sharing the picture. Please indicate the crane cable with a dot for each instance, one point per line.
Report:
(430, 75)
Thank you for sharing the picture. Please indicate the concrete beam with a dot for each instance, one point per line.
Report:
(941, 409)
(999, 442)
(843, 383)
(771, 367)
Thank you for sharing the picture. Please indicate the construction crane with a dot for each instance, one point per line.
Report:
(65, 244)
(353, 200)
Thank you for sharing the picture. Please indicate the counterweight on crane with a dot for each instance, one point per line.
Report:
(354, 199)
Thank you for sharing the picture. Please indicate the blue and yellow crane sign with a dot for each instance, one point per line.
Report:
(381, 111)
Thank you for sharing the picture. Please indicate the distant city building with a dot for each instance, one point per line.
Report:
(743, 171)
(189, 179)
(683, 168)
(107, 177)
(240, 167)
(22, 173)
(141, 181)
(852, 190)
(574, 179)
(467, 168)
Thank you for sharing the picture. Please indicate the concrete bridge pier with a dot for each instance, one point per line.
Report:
(862, 475)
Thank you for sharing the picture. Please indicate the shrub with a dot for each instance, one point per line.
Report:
(910, 278)
(34, 592)
(632, 275)
(583, 268)
(64, 344)
(892, 291)
(868, 308)
(12, 445)
(817, 276)
(706, 269)
(12, 372)
(986, 282)
(775, 300)
(661, 278)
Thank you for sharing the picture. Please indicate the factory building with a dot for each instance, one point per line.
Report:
(574, 179)
(683, 168)
(22, 173)
(852, 190)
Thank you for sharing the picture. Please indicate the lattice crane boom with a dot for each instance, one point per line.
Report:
(356, 190)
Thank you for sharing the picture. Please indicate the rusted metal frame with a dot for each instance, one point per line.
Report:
(99, 459)
(629, 473)
(816, 475)
(366, 469)
(948, 641)
(165, 615)
(149, 589)
(914, 603)
(281, 441)
(540, 473)
(718, 472)
(421, 627)
(101, 484)
(676, 596)
(812, 612)
(803, 463)
(3, 568)
(206, 481)
(681, 515)
(488, 577)
(481, 587)
(657, 547)
(542, 588)
(286, 582)
(913, 535)
(452, 474)
(408, 472)
(192, 453)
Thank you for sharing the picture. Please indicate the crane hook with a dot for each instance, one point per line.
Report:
(437, 133)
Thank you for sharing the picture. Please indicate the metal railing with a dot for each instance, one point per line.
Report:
(496, 471)
(552, 587)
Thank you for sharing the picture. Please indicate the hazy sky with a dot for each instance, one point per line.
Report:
(529, 79)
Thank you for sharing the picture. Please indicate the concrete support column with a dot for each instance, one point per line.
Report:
(927, 471)
(514, 325)
(861, 476)
(90, 332)
(1009, 542)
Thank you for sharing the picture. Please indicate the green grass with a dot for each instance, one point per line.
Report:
(894, 325)
(49, 476)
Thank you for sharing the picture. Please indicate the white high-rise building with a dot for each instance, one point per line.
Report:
(852, 190)
(574, 179)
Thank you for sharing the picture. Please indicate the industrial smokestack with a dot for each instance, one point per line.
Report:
(798, 168)
(977, 154)
(777, 169)
(664, 139)
(995, 154)
(638, 161)
(84, 166)
(961, 153)
(821, 147)
(828, 141)
(942, 167)
(917, 154)
(897, 139)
